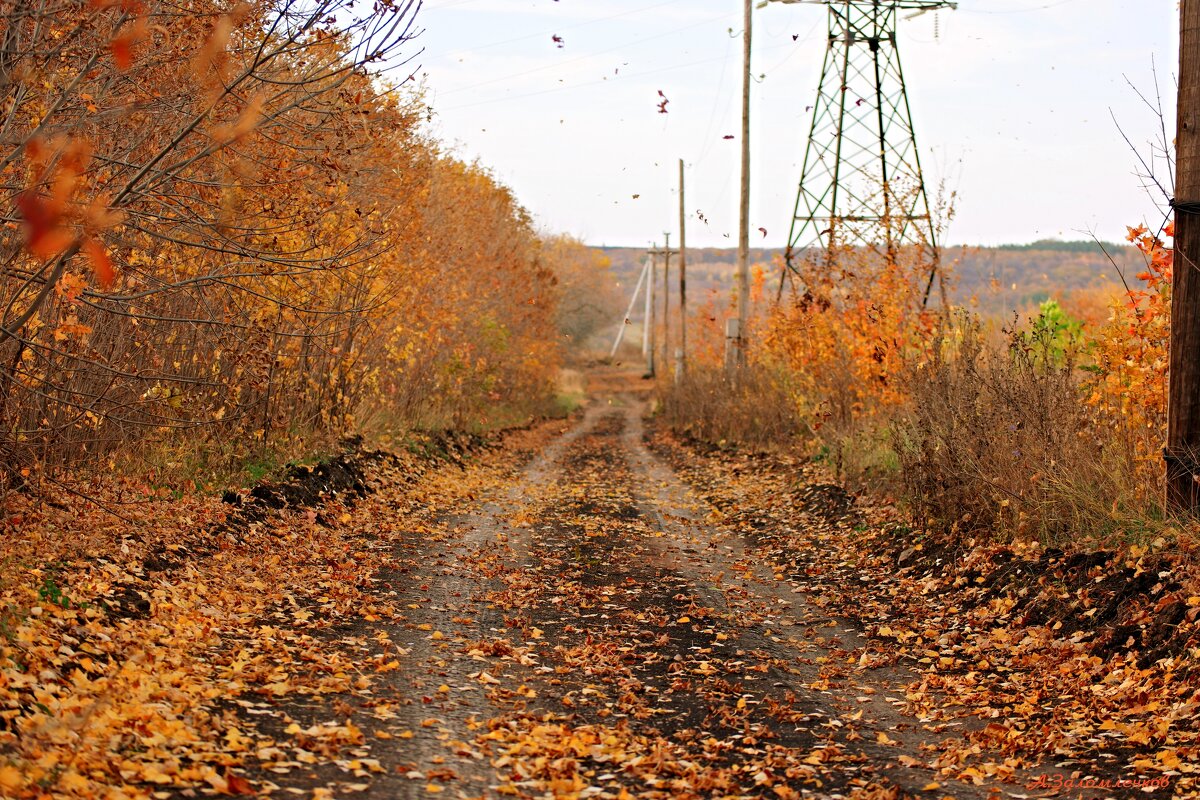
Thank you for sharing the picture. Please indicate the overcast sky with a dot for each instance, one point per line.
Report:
(1013, 101)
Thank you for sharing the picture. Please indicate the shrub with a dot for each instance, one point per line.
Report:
(999, 438)
(758, 409)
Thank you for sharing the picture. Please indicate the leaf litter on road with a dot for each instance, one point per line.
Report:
(562, 616)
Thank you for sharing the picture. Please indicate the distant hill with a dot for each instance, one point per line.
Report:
(1080, 246)
(997, 281)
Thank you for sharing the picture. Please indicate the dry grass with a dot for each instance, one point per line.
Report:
(757, 410)
(999, 439)
(994, 435)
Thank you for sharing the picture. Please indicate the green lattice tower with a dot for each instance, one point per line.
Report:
(861, 184)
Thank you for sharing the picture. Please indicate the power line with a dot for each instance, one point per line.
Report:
(717, 98)
(561, 28)
(584, 57)
(1043, 7)
(508, 98)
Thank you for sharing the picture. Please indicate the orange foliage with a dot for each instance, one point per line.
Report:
(1129, 356)
(231, 226)
(847, 337)
(706, 324)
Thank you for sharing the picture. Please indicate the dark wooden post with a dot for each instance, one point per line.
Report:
(681, 362)
(1182, 453)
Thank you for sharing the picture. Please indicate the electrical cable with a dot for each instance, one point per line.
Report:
(1042, 7)
(712, 115)
(584, 57)
(560, 29)
(509, 98)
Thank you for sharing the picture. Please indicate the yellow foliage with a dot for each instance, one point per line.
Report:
(848, 333)
(293, 257)
(1129, 359)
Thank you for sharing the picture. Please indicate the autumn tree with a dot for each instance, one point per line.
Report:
(226, 219)
(590, 302)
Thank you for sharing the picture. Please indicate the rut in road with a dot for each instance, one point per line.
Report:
(586, 632)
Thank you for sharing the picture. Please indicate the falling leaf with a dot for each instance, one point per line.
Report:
(44, 235)
(121, 48)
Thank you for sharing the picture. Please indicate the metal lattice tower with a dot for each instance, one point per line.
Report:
(861, 184)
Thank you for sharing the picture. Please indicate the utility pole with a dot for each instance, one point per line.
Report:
(1183, 395)
(667, 301)
(681, 353)
(735, 329)
(648, 332)
(651, 310)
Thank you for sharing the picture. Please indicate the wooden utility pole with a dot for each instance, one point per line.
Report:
(648, 333)
(681, 361)
(666, 359)
(735, 332)
(651, 309)
(1182, 453)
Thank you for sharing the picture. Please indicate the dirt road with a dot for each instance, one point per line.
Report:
(581, 628)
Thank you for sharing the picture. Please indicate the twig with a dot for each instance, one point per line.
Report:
(99, 504)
